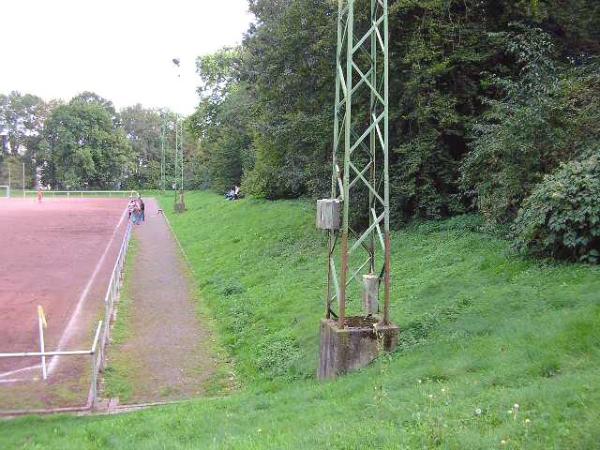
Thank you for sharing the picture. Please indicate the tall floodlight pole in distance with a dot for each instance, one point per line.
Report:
(179, 202)
(163, 149)
(178, 135)
(181, 166)
(357, 216)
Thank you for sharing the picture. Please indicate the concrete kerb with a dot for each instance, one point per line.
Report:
(87, 411)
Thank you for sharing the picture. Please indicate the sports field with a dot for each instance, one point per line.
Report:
(58, 254)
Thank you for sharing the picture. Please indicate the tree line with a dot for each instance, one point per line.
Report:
(87, 144)
(493, 109)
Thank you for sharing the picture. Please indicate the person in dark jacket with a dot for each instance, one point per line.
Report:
(142, 209)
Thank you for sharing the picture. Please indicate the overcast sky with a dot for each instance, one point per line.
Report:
(120, 49)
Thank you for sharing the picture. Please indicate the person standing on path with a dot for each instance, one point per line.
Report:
(130, 207)
(142, 209)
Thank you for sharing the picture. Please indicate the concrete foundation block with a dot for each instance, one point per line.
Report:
(180, 203)
(346, 349)
(180, 207)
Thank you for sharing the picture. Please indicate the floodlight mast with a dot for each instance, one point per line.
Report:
(179, 155)
(163, 148)
(178, 136)
(360, 144)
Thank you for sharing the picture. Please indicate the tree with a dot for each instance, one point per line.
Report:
(84, 147)
(266, 108)
(92, 97)
(222, 121)
(288, 66)
(143, 130)
(547, 115)
(22, 118)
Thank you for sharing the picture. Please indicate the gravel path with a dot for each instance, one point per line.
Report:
(169, 351)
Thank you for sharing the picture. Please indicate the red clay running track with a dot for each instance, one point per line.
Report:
(58, 254)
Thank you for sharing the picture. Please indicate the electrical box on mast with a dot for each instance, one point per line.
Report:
(328, 214)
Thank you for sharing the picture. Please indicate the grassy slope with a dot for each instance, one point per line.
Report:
(481, 332)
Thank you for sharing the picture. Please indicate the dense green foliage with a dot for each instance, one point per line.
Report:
(481, 332)
(21, 121)
(221, 120)
(143, 129)
(85, 147)
(288, 66)
(87, 144)
(487, 97)
(548, 116)
(561, 218)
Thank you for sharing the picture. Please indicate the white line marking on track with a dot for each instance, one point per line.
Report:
(14, 380)
(75, 316)
(24, 369)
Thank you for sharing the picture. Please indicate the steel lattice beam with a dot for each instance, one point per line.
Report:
(361, 72)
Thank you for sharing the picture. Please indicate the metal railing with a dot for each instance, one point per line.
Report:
(101, 337)
(94, 352)
(81, 194)
(113, 291)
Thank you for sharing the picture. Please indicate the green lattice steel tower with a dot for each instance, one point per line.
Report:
(163, 150)
(178, 153)
(360, 179)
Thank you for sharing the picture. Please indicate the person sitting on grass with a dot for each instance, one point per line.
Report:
(233, 194)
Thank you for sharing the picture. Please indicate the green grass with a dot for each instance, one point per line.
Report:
(119, 373)
(481, 331)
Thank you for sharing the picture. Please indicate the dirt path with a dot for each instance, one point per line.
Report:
(168, 352)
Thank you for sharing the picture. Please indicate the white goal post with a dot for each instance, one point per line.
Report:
(4, 191)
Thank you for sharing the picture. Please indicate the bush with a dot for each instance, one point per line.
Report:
(561, 218)
(548, 115)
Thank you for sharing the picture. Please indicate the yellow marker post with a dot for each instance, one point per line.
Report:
(41, 325)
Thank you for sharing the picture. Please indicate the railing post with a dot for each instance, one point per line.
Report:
(101, 358)
(94, 380)
(94, 352)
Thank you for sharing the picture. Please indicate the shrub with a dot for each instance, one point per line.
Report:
(561, 218)
(548, 115)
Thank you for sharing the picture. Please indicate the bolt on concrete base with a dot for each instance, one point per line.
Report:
(346, 349)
